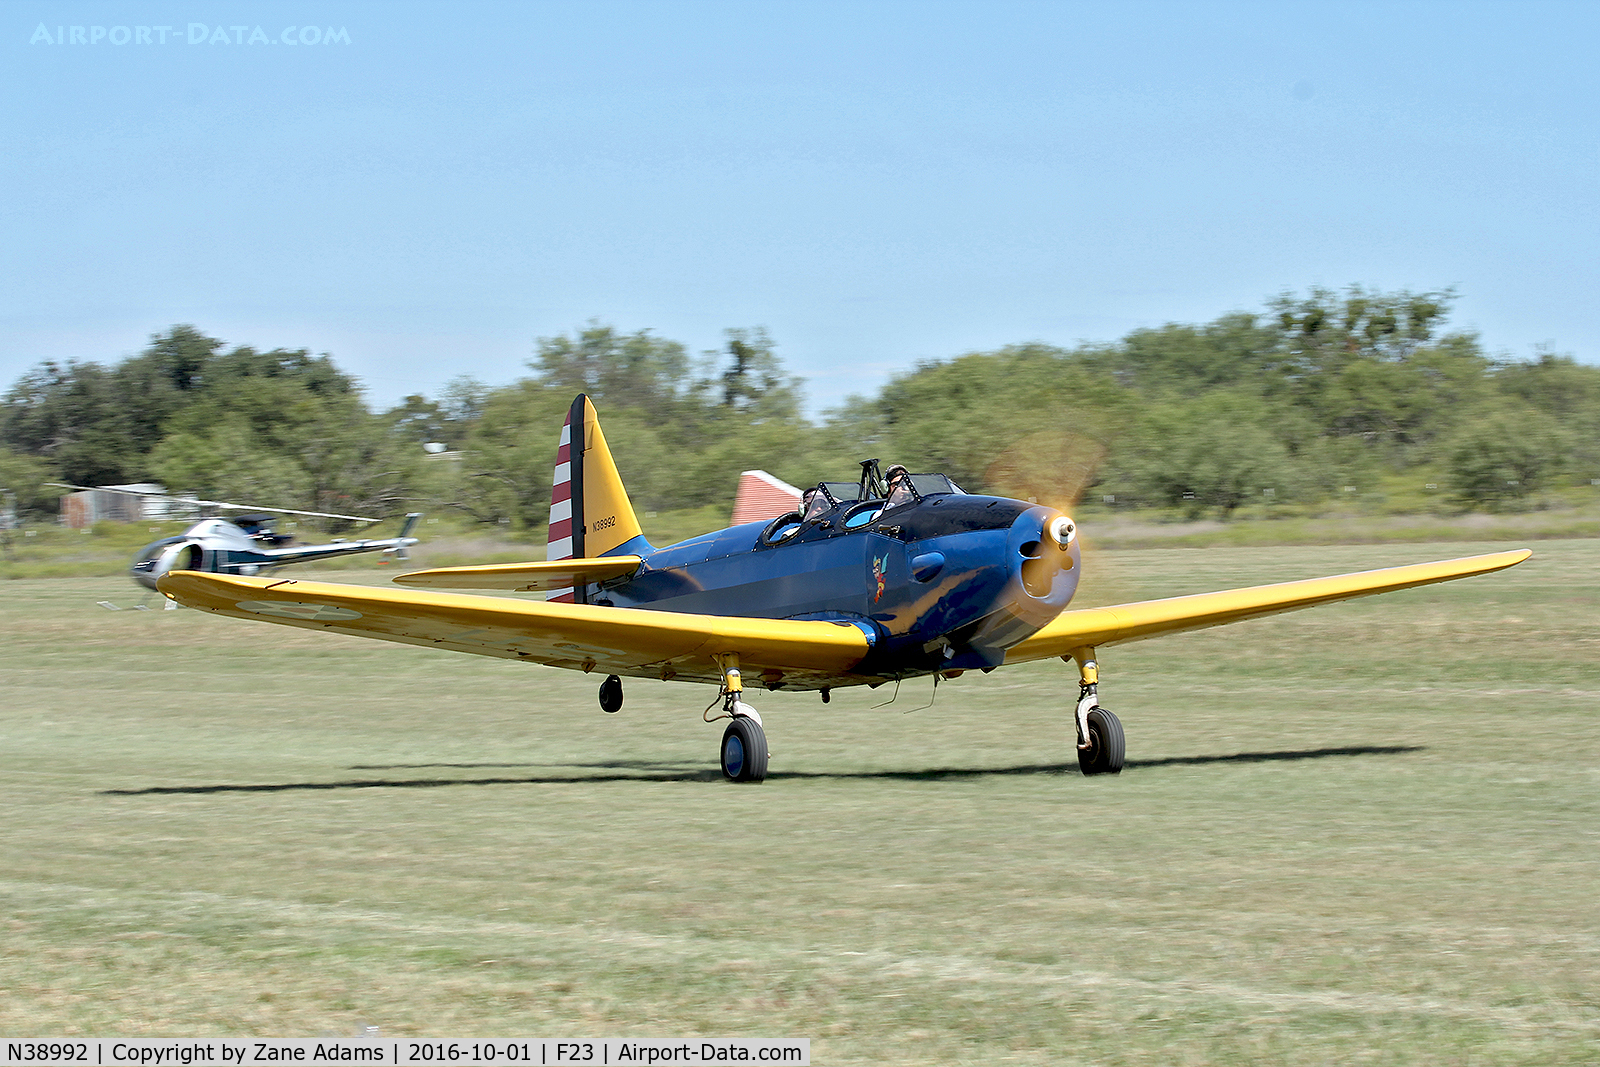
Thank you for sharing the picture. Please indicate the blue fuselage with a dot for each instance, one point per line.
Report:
(944, 583)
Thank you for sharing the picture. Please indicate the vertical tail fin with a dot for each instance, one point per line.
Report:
(590, 514)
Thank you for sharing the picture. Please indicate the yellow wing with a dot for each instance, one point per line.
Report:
(558, 574)
(1092, 627)
(624, 641)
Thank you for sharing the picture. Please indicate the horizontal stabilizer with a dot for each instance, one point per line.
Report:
(557, 574)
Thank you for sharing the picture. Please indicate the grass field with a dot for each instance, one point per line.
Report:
(1363, 833)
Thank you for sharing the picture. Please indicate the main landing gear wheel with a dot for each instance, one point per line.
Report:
(744, 750)
(611, 695)
(1106, 746)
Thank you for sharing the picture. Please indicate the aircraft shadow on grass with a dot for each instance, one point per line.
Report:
(661, 771)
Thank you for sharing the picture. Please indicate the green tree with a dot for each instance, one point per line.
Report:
(418, 420)
(227, 461)
(1373, 364)
(163, 379)
(72, 416)
(638, 370)
(510, 454)
(960, 417)
(1214, 451)
(283, 428)
(1565, 390)
(754, 382)
(1503, 456)
(25, 477)
(1235, 350)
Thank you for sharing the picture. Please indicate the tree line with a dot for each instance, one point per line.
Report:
(1312, 395)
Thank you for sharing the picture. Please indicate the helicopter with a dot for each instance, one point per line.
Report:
(869, 582)
(246, 544)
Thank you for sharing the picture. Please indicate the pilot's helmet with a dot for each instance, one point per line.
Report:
(895, 471)
(899, 481)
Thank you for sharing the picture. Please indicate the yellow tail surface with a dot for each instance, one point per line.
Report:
(603, 517)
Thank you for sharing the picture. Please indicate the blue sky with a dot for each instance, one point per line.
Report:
(875, 183)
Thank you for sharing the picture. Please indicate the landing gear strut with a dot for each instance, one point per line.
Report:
(744, 742)
(1100, 742)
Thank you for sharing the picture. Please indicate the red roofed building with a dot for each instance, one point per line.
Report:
(761, 497)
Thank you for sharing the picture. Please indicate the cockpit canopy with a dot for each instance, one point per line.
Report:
(926, 485)
(255, 524)
(840, 492)
(260, 527)
(837, 493)
(829, 496)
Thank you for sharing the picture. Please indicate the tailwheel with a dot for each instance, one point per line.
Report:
(1104, 752)
(611, 695)
(744, 750)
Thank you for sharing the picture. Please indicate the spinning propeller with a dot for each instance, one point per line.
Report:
(1055, 468)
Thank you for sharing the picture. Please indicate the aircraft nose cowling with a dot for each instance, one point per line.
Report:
(1043, 577)
(1043, 555)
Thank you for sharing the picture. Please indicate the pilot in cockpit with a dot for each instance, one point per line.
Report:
(814, 504)
(900, 492)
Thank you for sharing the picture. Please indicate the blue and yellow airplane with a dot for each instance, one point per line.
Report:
(869, 584)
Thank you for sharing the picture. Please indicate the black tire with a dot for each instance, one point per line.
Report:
(1106, 744)
(744, 751)
(611, 695)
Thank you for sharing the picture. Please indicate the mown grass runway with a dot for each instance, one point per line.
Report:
(1364, 832)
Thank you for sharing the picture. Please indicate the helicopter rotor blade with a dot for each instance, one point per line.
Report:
(215, 503)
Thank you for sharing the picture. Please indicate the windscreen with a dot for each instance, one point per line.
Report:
(930, 484)
(841, 492)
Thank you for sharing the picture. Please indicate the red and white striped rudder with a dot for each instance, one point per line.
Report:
(560, 545)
